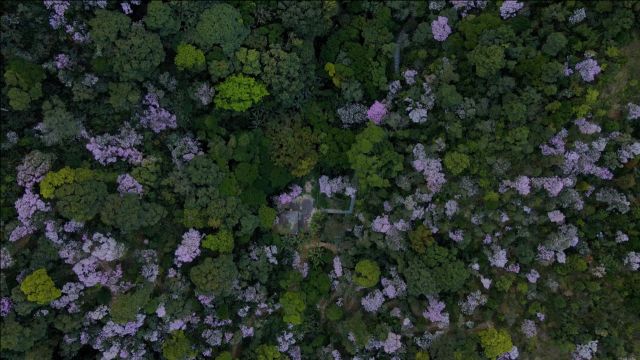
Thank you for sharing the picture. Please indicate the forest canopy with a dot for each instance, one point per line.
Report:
(327, 179)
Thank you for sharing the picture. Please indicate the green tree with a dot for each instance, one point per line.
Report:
(221, 242)
(249, 60)
(123, 96)
(456, 162)
(80, 201)
(488, 60)
(239, 93)
(267, 216)
(448, 96)
(367, 273)
(58, 124)
(373, 158)
(269, 352)
(138, 54)
(494, 342)
(190, 58)
(285, 75)
(221, 24)
(308, 18)
(107, 27)
(555, 43)
(24, 81)
(215, 276)
(451, 276)
(293, 306)
(39, 287)
(293, 146)
(161, 18)
(129, 213)
(177, 347)
(125, 307)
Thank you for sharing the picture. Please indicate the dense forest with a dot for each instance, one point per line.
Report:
(263, 180)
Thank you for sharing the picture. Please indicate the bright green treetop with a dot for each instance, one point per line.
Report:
(39, 287)
(221, 242)
(239, 93)
(495, 342)
(367, 273)
(189, 57)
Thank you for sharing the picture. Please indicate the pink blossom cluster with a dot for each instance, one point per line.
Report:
(468, 5)
(556, 144)
(522, 185)
(189, 248)
(373, 301)
(288, 197)
(33, 168)
(633, 111)
(588, 69)
(127, 184)
(91, 272)
(108, 149)
(377, 112)
(533, 276)
(440, 28)
(329, 187)
(509, 8)
(585, 351)
(587, 127)
(435, 314)
(632, 260)
(553, 185)
(26, 207)
(529, 328)
(578, 16)
(337, 267)
(583, 157)
(556, 216)
(156, 117)
(62, 61)
(103, 247)
(6, 261)
(473, 301)
(204, 94)
(184, 149)
(5, 306)
(58, 9)
(456, 235)
(430, 168)
(498, 257)
(410, 76)
(382, 225)
(301, 266)
(392, 344)
(393, 287)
